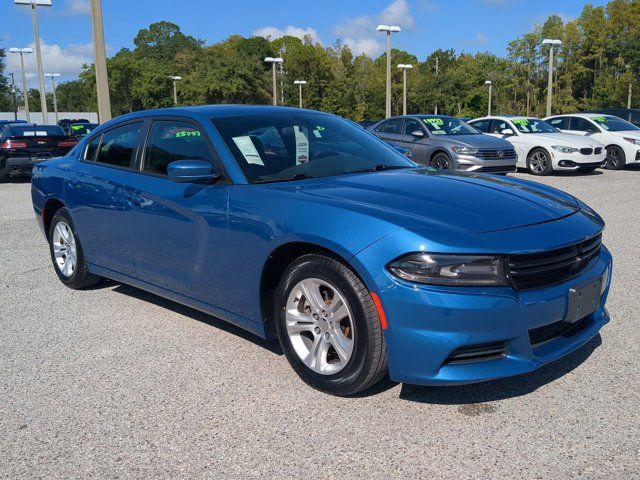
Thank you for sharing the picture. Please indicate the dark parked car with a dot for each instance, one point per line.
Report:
(66, 123)
(631, 115)
(23, 145)
(300, 225)
(9, 122)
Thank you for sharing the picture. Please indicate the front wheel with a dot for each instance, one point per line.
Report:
(441, 161)
(539, 162)
(328, 326)
(615, 158)
(67, 254)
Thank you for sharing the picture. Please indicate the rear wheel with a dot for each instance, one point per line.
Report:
(441, 161)
(67, 254)
(539, 162)
(328, 326)
(615, 158)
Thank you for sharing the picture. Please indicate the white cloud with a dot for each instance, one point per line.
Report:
(289, 30)
(78, 7)
(360, 32)
(67, 61)
(481, 38)
(397, 13)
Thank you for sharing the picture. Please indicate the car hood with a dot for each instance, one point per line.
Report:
(568, 139)
(478, 141)
(426, 198)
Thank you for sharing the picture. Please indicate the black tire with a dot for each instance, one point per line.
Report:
(441, 161)
(368, 361)
(587, 169)
(80, 278)
(539, 162)
(616, 159)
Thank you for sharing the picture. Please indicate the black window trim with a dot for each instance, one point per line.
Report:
(139, 159)
(132, 161)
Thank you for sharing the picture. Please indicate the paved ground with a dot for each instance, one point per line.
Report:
(114, 382)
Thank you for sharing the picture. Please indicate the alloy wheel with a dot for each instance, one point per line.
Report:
(440, 162)
(64, 249)
(320, 326)
(613, 158)
(538, 162)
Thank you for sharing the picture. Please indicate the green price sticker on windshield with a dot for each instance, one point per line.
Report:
(521, 121)
(599, 118)
(433, 121)
(77, 127)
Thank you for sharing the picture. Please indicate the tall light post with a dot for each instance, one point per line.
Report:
(630, 86)
(300, 83)
(552, 42)
(273, 61)
(435, 110)
(100, 61)
(404, 67)
(488, 82)
(53, 77)
(25, 93)
(389, 29)
(43, 96)
(13, 94)
(176, 79)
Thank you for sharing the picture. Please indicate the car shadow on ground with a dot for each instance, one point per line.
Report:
(272, 345)
(503, 388)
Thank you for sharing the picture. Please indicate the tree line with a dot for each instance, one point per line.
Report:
(598, 59)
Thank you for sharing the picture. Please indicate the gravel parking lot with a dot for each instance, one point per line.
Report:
(115, 382)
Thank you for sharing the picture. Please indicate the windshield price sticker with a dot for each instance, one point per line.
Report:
(75, 128)
(521, 121)
(436, 122)
(599, 118)
(188, 133)
(248, 150)
(302, 145)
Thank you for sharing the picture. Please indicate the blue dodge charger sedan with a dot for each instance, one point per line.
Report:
(298, 224)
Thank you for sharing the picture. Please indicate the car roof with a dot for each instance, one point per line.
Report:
(217, 111)
(587, 115)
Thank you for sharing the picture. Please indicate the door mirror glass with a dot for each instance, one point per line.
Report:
(191, 171)
(417, 133)
(507, 132)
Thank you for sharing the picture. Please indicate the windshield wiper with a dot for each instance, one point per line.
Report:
(297, 176)
(381, 167)
(301, 176)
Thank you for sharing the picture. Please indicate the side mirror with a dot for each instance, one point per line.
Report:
(417, 134)
(191, 171)
(507, 131)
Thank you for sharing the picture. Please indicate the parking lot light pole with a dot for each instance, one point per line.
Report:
(630, 86)
(53, 77)
(100, 61)
(552, 42)
(25, 93)
(273, 61)
(488, 82)
(300, 83)
(13, 94)
(389, 29)
(176, 79)
(43, 97)
(404, 67)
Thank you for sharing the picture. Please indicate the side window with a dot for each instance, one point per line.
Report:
(391, 126)
(119, 145)
(169, 141)
(561, 123)
(411, 125)
(498, 126)
(582, 125)
(482, 125)
(635, 118)
(92, 148)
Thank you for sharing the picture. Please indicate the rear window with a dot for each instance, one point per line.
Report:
(35, 131)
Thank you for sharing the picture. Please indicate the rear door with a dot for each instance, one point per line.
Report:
(495, 129)
(177, 231)
(94, 193)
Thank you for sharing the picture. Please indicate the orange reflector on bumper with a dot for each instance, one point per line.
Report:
(381, 315)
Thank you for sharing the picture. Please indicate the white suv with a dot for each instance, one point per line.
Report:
(620, 138)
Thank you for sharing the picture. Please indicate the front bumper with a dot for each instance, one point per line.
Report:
(574, 161)
(429, 325)
(468, 163)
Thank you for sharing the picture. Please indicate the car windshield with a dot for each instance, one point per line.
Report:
(613, 124)
(290, 146)
(35, 131)
(533, 125)
(448, 126)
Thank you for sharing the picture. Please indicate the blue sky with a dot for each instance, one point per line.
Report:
(465, 25)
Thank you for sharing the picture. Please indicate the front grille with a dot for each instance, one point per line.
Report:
(497, 169)
(477, 353)
(586, 151)
(546, 333)
(538, 270)
(598, 150)
(487, 154)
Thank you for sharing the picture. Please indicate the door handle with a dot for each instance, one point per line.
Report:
(136, 200)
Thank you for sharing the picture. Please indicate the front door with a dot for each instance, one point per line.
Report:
(177, 231)
(420, 146)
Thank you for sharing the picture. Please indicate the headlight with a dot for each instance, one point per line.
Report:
(445, 269)
(563, 149)
(465, 150)
(635, 141)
